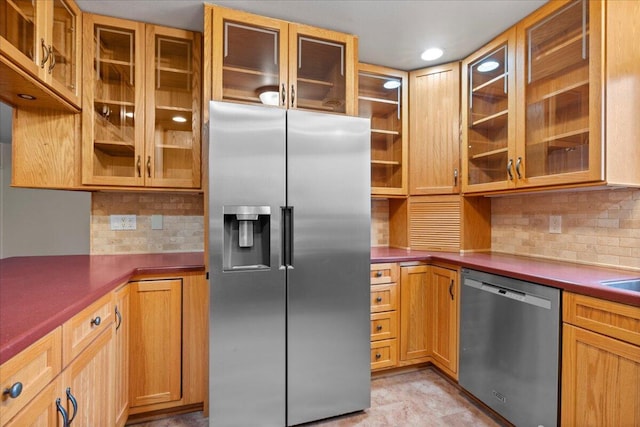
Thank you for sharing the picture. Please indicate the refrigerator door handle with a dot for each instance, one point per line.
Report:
(287, 237)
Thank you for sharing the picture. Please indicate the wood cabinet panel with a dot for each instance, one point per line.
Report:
(384, 354)
(434, 146)
(600, 377)
(415, 315)
(384, 273)
(79, 331)
(435, 222)
(33, 368)
(156, 337)
(89, 379)
(42, 410)
(384, 326)
(121, 355)
(384, 297)
(445, 299)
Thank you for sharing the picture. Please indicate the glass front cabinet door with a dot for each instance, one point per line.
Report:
(260, 60)
(559, 121)
(488, 87)
(141, 115)
(43, 39)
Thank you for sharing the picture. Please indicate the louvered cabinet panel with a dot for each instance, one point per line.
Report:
(434, 223)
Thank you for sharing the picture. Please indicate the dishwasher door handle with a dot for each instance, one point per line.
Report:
(509, 293)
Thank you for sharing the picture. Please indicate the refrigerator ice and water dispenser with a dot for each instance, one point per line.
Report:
(246, 237)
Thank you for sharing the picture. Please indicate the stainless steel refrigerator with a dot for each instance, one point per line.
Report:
(289, 244)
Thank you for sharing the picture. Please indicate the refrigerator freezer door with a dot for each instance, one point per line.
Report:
(328, 180)
(247, 378)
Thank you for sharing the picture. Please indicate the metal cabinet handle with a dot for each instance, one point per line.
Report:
(284, 95)
(119, 317)
(74, 403)
(451, 289)
(455, 177)
(63, 412)
(379, 328)
(46, 52)
(509, 166)
(96, 321)
(518, 163)
(293, 95)
(379, 299)
(149, 166)
(378, 355)
(14, 391)
(52, 63)
(139, 167)
(379, 273)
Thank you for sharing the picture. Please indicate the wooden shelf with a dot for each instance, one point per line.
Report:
(115, 148)
(567, 139)
(563, 55)
(496, 120)
(112, 102)
(493, 88)
(583, 85)
(173, 147)
(489, 153)
(248, 71)
(315, 82)
(376, 107)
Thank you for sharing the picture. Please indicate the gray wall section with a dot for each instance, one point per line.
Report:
(38, 222)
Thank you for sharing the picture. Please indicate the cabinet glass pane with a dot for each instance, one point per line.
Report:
(63, 44)
(250, 62)
(557, 93)
(18, 25)
(114, 103)
(379, 100)
(488, 118)
(321, 80)
(173, 141)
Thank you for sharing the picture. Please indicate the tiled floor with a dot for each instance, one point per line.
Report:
(415, 399)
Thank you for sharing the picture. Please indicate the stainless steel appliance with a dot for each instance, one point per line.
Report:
(289, 243)
(509, 346)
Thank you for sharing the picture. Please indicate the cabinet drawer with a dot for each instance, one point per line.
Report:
(384, 325)
(610, 318)
(384, 273)
(384, 297)
(34, 368)
(84, 327)
(384, 354)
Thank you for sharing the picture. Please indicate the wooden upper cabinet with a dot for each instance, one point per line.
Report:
(382, 97)
(434, 146)
(141, 116)
(42, 39)
(489, 116)
(559, 111)
(262, 60)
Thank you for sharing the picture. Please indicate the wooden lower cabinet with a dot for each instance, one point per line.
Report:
(42, 410)
(121, 349)
(415, 313)
(600, 363)
(89, 379)
(156, 337)
(445, 297)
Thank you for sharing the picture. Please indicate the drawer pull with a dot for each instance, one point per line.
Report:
(14, 391)
(379, 273)
(378, 355)
(379, 327)
(379, 299)
(96, 321)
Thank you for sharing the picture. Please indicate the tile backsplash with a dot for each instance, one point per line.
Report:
(182, 223)
(379, 222)
(597, 227)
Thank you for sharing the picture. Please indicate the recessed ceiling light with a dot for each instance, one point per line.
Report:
(391, 84)
(179, 119)
(26, 96)
(488, 65)
(431, 54)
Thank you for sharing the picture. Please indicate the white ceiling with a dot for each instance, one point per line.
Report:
(391, 32)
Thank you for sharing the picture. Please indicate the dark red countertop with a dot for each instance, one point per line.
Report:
(574, 277)
(38, 294)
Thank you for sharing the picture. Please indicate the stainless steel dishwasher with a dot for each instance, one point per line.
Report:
(510, 346)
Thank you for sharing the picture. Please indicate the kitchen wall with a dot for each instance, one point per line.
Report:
(38, 222)
(182, 223)
(598, 227)
(379, 222)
